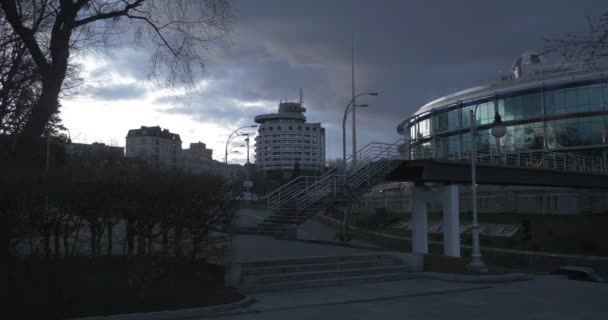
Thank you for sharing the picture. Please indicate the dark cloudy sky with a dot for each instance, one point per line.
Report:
(410, 52)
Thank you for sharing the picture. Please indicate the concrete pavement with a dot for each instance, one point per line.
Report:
(543, 298)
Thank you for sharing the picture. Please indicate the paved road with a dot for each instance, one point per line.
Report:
(544, 298)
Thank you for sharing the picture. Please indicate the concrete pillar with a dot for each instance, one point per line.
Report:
(451, 221)
(420, 240)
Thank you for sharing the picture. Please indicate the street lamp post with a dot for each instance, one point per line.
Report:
(498, 130)
(247, 182)
(352, 102)
(230, 138)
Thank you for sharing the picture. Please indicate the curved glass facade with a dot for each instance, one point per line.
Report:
(569, 117)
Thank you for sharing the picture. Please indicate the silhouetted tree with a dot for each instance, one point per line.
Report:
(47, 32)
(295, 172)
(585, 50)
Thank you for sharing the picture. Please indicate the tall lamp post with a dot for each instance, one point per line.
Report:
(247, 182)
(352, 102)
(498, 130)
(230, 138)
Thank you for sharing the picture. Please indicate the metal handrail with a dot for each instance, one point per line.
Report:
(511, 156)
(376, 156)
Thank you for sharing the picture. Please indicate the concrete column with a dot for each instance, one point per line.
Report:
(451, 221)
(420, 240)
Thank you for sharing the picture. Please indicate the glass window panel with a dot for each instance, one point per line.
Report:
(507, 109)
(596, 132)
(595, 97)
(584, 131)
(582, 96)
(465, 117)
(560, 101)
(501, 108)
(518, 112)
(482, 113)
(571, 105)
(453, 120)
(549, 100)
(532, 105)
(441, 122)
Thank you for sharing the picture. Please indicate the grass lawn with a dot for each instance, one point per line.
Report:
(567, 234)
(81, 287)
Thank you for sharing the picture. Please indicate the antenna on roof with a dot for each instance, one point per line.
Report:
(301, 96)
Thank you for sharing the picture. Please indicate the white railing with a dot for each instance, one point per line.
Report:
(511, 156)
(306, 190)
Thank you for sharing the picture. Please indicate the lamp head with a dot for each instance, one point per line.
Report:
(498, 129)
(373, 93)
(364, 105)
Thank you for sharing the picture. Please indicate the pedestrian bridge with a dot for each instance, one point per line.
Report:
(445, 162)
(434, 162)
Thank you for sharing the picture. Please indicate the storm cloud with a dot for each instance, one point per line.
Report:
(410, 52)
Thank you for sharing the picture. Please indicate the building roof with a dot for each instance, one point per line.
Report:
(287, 111)
(155, 131)
(514, 85)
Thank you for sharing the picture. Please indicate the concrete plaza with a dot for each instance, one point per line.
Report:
(545, 297)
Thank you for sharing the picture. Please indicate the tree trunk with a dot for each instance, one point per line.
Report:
(47, 241)
(149, 234)
(56, 239)
(141, 239)
(109, 227)
(130, 236)
(179, 230)
(165, 239)
(93, 229)
(42, 111)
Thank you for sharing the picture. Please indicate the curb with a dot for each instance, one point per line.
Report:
(176, 314)
(513, 277)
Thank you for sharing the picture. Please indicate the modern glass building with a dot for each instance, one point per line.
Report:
(543, 107)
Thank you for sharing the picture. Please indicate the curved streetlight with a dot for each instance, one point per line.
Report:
(230, 138)
(352, 102)
(498, 130)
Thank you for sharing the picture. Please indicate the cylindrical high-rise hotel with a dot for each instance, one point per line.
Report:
(285, 138)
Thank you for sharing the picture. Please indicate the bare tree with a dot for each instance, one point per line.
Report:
(586, 50)
(52, 30)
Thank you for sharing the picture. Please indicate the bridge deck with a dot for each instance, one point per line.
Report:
(459, 172)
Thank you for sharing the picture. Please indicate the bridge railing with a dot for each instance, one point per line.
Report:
(372, 158)
(306, 190)
(512, 156)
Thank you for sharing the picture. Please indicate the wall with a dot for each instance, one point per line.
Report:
(494, 199)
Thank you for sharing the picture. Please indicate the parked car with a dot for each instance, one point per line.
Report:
(578, 273)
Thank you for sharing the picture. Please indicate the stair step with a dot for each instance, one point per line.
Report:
(388, 261)
(315, 260)
(257, 231)
(326, 282)
(323, 274)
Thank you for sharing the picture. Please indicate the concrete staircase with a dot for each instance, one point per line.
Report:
(285, 221)
(296, 273)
